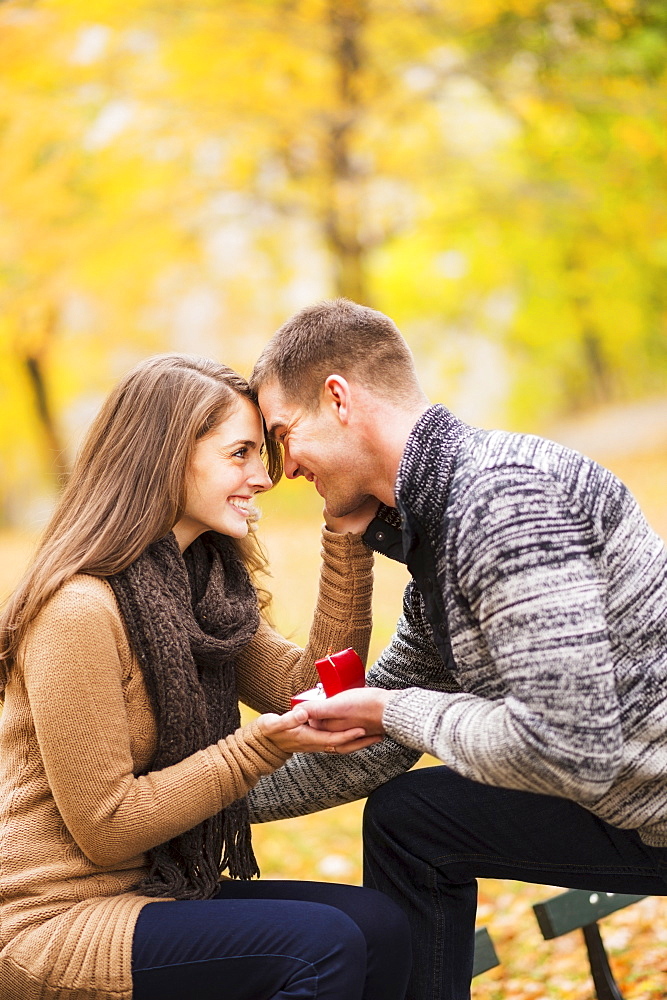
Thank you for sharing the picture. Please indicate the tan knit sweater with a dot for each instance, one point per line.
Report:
(77, 728)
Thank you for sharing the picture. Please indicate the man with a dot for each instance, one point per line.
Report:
(531, 656)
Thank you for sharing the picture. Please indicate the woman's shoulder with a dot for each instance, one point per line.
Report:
(94, 588)
(84, 590)
(80, 621)
(82, 599)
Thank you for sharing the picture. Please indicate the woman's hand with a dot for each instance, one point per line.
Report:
(356, 522)
(292, 733)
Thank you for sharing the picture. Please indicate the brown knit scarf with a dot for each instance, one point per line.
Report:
(187, 616)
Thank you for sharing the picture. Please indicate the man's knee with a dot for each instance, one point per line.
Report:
(409, 794)
(394, 810)
(383, 804)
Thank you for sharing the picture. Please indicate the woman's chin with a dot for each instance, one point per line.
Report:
(239, 530)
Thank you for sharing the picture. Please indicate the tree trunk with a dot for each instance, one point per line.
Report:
(58, 462)
(39, 329)
(343, 220)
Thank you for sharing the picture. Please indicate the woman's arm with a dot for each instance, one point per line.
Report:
(73, 677)
(271, 669)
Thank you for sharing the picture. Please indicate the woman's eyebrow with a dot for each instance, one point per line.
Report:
(275, 427)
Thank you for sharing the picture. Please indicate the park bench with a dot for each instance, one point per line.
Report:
(485, 954)
(577, 909)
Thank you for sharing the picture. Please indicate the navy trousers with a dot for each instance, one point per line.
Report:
(430, 833)
(273, 941)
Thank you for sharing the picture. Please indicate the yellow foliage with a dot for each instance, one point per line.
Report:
(184, 175)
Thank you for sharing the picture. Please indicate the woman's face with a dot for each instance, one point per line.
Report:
(226, 471)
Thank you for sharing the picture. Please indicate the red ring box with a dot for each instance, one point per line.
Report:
(338, 672)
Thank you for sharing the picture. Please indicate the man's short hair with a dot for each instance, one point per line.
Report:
(340, 337)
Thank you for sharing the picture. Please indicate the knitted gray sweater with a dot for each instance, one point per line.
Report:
(554, 594)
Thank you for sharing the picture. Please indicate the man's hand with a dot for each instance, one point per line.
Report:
(356, 522)
(292, 733)
(362, 707)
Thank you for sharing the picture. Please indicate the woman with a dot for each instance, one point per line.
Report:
(123, 765)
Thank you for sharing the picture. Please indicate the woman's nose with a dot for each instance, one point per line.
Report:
(260, 479)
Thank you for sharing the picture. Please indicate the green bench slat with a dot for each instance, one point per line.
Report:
(577, 908)
(485, 953)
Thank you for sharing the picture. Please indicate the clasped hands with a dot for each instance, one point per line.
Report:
(346, 722)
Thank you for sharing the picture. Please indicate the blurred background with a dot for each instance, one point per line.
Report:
(185, 174)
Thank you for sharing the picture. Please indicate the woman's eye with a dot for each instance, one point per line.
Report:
(240, 453)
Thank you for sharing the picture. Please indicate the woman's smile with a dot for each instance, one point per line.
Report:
(241, 504)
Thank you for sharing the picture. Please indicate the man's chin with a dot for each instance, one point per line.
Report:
(341, 508)
(333, 510)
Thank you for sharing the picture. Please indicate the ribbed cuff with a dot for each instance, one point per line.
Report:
(346, 548)
(404, 717)
(268, 751)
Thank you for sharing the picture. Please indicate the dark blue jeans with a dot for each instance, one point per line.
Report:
(430, 833)
(273, 941)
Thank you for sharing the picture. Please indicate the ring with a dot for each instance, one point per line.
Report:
(331, 749)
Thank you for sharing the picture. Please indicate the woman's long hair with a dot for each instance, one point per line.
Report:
(127, 488)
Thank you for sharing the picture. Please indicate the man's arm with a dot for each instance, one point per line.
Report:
(309, 782)
(411, 659)
(546, 718)
(530, 571)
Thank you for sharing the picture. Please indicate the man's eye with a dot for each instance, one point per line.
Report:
(241, 453)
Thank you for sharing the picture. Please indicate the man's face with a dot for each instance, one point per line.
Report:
(318, 446)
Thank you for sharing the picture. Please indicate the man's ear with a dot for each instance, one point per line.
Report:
(338, 395)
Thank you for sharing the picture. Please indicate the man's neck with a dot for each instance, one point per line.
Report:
(391, 428)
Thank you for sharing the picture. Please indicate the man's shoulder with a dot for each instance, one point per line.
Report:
(507, 455)
(510, 472)
(441, 440)
(496, 448)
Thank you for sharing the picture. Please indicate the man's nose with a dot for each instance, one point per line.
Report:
(290, 466)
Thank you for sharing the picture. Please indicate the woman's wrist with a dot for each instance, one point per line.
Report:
(256, 734)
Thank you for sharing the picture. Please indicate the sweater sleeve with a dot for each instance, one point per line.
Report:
(411, 657)
(530, 572)
(271, 669)
(73, 678)
(309, 782)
